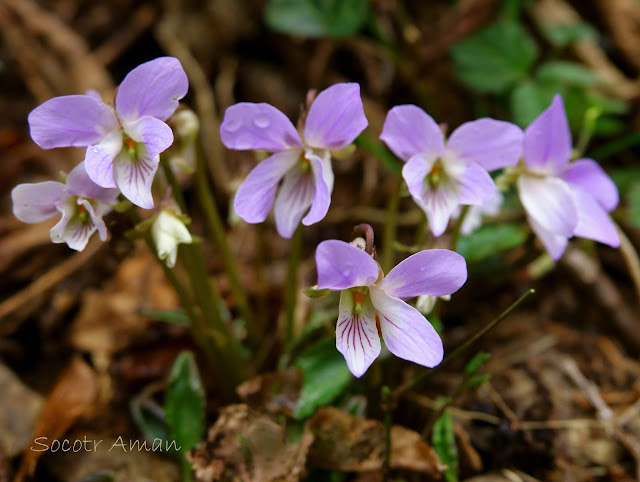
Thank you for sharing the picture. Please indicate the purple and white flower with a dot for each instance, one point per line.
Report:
(441, 176)
(563, 199)
(123, 146)
(303, 164)
(81, 202)
(371, 302)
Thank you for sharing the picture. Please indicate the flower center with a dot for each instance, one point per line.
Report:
(359, 294)
(436, 176)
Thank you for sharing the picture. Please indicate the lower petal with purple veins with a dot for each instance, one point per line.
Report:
(439, 204)
(293, 200)
(407, 333)
(134, 177)
(72, 229)
(554, 243)
(356, 333)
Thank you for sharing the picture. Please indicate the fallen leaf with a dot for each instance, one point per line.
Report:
(71, 397)
(247, 445)
(348, 443)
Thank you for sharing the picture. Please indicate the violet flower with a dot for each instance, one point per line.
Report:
(440, 176)
(562, 198)
(368, 297)
(123, 146)
(335, 119)
(81, 202)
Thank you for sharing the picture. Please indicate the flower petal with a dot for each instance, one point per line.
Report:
(475, 186)
(547, 141)
(155, 134)
(293, 200)
(152, 89)
(554, 243)
(35, 202)
(336, 117)
(356, 334)
(588, 175)
(491, 143)
(69, 230)
(435, 272)
(255, 195)
(407, 333)
(257, 126)
(134, 178)
(71, 120)
(322, 195)
(96, 218)
(408, 130)
(415, 171)
(341, 266)
(80, 184)
(593, 220)
(550, 203)
(98, 160)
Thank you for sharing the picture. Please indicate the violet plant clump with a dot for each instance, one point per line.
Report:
(123, 143)
(369, 299)
(441, 175)
(81, 202)
(562, 198)
(301, 160)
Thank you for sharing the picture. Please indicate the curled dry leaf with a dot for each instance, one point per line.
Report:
(247, 445)
(71, 397)
(345, 442)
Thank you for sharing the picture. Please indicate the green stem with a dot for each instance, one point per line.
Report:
(212, 332)
(390, 226)
(386, 407)
(402, 389)
(215, 225)
(291, 286)
(186, 469)
(455, 235)
(421, 231)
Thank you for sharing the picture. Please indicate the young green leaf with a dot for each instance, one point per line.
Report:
(325, 376)
(185, 402)
(444, 443)
(489, 240)
(495, 58)
(317, 18)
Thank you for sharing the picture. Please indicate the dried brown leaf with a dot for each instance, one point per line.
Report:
(71, 397)
(249, 446)
(345, 442)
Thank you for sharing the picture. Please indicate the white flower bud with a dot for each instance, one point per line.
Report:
(168, 231)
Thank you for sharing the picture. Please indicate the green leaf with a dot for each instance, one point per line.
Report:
(325, 376)
(476, 363)
(185, 402)
(568, 73)
(626, 177)
(495, 58)
(172, 317)
(529, 99)
(633, 197)
(149, 418)
(477, 380)
(317, 18)
(489, 240)
(444, 443)
(564, 35)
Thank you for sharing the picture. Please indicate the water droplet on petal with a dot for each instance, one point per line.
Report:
(232, 125)
(262, 122)
(95, 150)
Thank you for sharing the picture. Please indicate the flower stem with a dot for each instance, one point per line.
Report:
(386, 407)
(216, 227)
(402, 389)
(291, 286)
(391, 224)
(210, 330)
(455, 235)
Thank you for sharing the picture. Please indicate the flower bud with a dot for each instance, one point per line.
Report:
(168, 231)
